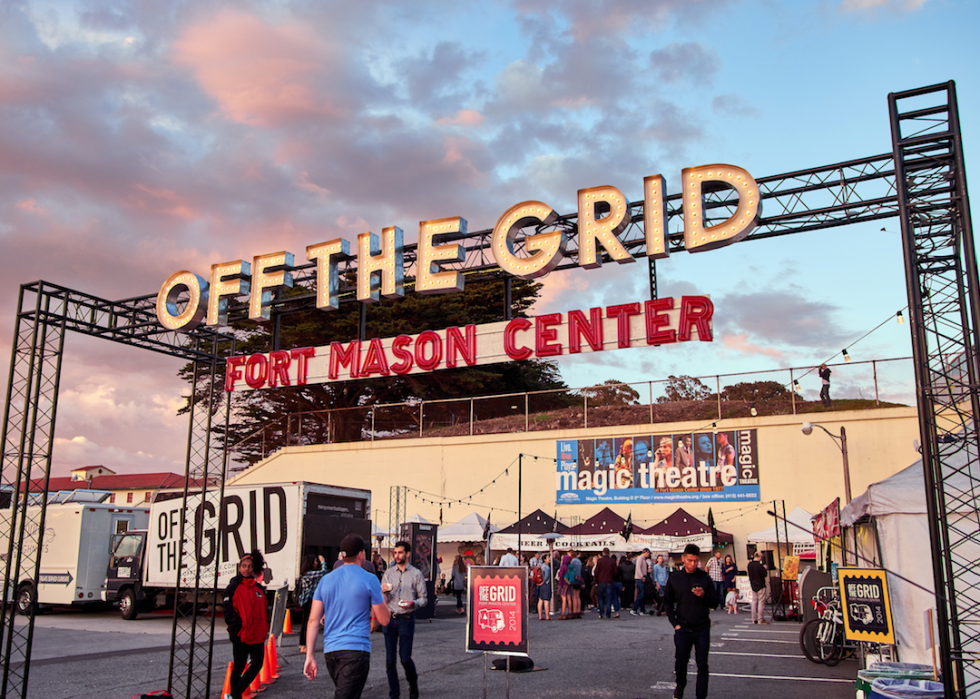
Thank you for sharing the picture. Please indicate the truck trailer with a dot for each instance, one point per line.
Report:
(79, 526)
(283, 520)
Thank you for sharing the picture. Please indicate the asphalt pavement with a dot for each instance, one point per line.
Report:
(99, 656)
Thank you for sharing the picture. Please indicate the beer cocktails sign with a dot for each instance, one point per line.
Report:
(187, 300)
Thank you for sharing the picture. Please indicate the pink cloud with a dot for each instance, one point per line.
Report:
(164, 201)
(464, 117)
(260, 75)
(739, 342)
(30, 206)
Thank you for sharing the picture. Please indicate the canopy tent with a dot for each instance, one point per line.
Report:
(799, 517)
(470, 528)
(890, 517)
(683, 524)
(416, 519)
(531, 529)
(604, 522)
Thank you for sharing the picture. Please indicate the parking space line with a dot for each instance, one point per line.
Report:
(759, 640)
(756, 655)
(781, 677)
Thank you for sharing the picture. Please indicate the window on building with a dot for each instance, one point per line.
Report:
(112, 498)
(129, 497)
(146, 496)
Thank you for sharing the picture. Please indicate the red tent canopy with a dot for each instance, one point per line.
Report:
(605, 522)
(537, 522)
(683, 523)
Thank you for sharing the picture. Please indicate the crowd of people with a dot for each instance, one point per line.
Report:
(362, 595)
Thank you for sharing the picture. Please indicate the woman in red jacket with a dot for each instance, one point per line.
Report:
(245, 609)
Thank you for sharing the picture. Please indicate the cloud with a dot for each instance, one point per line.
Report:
(464, 117)
(871, 6)
(731, 103)
(261, 75)
(787, 318)
(740, 343)
(689, 61)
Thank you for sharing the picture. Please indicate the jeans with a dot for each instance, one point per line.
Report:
(684, 640)
(459, 598)
(349, 671)
(759, 605)
(720, 592)
(605, 599)
(825, 395)
(640, 604)
(399, 634)
(240, 677)
(617, 592)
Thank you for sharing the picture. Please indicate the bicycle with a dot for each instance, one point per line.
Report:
(822, 639)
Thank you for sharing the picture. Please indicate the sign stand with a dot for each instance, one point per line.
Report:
(496, 614)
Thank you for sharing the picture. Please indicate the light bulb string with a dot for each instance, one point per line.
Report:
(795, 382)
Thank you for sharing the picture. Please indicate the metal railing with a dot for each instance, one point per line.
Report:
(855, 386)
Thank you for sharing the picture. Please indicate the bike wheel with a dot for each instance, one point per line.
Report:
(808, 641)
(827, 643)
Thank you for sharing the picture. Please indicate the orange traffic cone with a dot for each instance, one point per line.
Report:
(272, 658)
(226, 689)
(265, 674)
(287, 625)
(256, 685)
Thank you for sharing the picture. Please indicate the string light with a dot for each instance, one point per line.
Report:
(900, 318)
(847, 357)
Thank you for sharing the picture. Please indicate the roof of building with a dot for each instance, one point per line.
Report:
(91, 468)
(121, 481)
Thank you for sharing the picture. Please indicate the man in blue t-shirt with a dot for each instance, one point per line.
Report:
(345, 599)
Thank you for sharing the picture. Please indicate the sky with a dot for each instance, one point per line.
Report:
(140, 138)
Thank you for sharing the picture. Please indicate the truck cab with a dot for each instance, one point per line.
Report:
(124, 574)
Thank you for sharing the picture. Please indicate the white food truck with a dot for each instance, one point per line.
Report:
(283, 520)
(78, 529)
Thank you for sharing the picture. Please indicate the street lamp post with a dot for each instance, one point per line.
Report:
(842, 445)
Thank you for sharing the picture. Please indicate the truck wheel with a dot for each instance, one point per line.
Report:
(127, 605)
(26, 599)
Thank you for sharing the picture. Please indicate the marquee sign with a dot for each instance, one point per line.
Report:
(658, 322)
(698, 467)
(187, 300)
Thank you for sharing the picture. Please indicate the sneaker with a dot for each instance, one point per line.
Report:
(633, 612)
(764, 622)
(678, 692)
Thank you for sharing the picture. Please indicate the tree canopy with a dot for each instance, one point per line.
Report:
(610, 393)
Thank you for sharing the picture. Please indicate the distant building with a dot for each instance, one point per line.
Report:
(126, 488)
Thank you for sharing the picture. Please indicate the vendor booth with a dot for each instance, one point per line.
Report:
(889, 524)
(464, 538)
(531, 530)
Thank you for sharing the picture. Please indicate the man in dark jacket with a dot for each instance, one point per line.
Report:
(758, 578)
(245, 609)
(605, 572)
(689, 598)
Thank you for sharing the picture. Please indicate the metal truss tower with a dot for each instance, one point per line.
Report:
(941, 277)
(397, 510)
(45, 313)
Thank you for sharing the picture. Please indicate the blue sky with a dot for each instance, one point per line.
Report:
(142, 138)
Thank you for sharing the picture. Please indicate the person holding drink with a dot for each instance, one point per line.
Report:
(404, 591)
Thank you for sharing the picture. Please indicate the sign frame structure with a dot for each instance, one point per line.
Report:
(855, 628)
(514, 615)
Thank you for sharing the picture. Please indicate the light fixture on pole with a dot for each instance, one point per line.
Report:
(842, 445)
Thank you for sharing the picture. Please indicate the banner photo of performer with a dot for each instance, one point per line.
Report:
(688, 467)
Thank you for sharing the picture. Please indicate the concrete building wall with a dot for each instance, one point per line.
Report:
(801, 470)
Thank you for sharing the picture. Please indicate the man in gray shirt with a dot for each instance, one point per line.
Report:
(404, 591)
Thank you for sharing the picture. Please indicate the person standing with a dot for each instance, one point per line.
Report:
(660, 575)
(640, 573)
(758, 578)
(345, 600)
(544, 589)
(404, 592)
(245, 609)
(310, 575)
(716, 569)
(578, 582)
(605, 573)
(509, 560)
(730, 570)
(627, 569)
(459, 582)
(825, 386)
(689, 598)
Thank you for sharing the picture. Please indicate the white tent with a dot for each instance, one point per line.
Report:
(417, 519)
(895, 510)
(799, 517)
(470, 528)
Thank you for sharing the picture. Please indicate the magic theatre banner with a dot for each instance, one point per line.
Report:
(688, 467)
